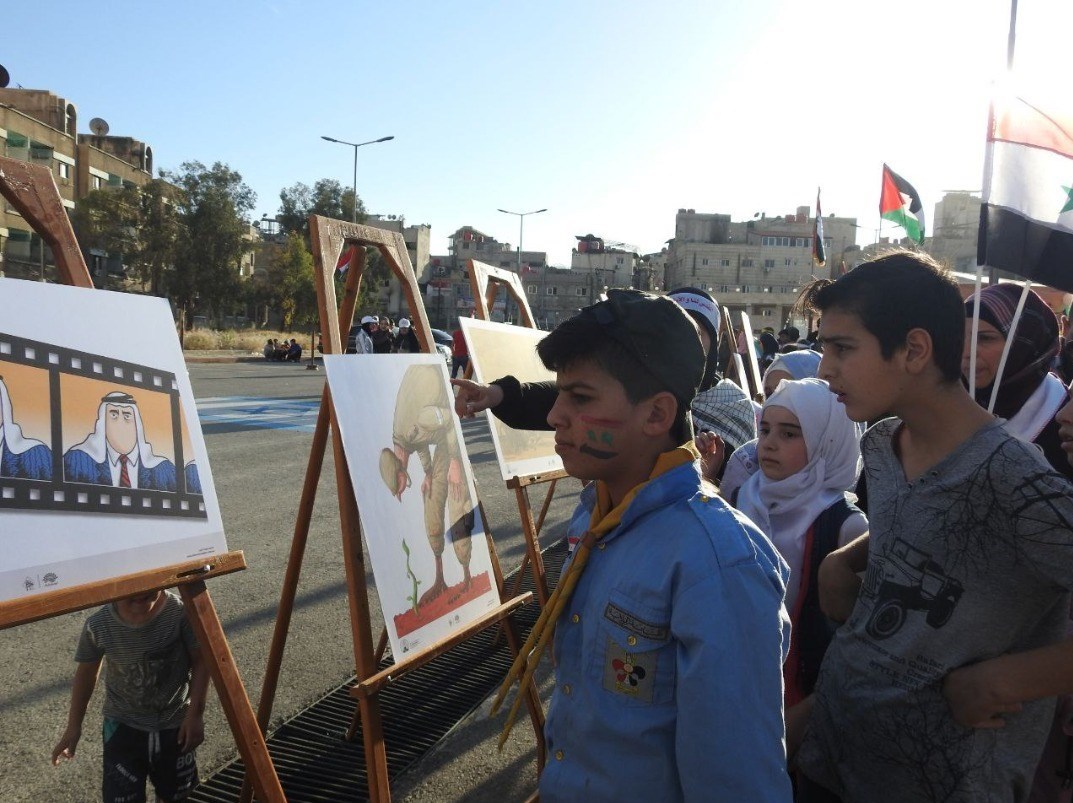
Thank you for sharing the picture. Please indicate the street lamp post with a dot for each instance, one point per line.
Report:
(521, 229)
(355, 146)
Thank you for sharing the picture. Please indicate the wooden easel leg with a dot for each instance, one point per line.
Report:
(532, 545)
(532, 697)
(361, 627)
(355, 718)
(236, 705)
(290, 577)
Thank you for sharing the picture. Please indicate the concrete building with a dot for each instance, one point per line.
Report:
(41, 127)
(448, 294)
(954, 230)
(758, 265)
(556, 294)
(611, 264)
(418, 241)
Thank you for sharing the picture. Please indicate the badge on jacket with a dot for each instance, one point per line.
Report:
(630, 673)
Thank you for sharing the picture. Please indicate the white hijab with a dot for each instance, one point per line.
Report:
(10, 432)
(785, 509)
(96, 444)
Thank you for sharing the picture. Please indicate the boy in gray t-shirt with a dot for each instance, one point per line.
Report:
(941, 684)
(155, 685)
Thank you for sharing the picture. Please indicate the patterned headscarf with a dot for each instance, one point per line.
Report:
(1034, 346)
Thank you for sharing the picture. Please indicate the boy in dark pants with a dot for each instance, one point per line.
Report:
(669, 623)
(155, 685)
(941, 684)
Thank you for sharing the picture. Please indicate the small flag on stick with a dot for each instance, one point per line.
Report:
(900, 204)
(819, 254)
(345, 259)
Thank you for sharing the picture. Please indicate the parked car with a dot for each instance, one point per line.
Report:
(443, 340)
(444, 345)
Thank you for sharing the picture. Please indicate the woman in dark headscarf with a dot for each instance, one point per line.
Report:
(1029, 396)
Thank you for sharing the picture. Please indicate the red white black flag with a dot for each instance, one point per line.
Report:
(1026, 222)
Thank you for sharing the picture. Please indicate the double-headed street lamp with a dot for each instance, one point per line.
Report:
(521, 229)
(355, 146)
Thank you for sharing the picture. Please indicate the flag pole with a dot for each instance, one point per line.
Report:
(1011, 44)
(1012, 40)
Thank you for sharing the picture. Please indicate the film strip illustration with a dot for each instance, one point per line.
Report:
(87, 433)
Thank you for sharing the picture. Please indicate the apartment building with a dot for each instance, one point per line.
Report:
(41, 127)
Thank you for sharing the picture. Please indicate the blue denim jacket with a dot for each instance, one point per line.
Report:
(670, 652)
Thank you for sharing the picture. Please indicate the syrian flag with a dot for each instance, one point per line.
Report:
(900, 204)
(1026, 221)
(343, 265)
(819, 255)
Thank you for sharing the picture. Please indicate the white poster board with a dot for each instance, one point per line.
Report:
(103, 467)
(415, 494)
(499, 350)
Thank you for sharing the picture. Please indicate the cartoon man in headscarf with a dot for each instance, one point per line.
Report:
(20, 457)
(116, 452)
(424, 423)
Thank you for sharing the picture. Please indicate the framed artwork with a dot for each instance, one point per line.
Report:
(496, 350)
(103, 469)
(416, 499)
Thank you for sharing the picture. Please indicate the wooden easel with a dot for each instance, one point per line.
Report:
(485, 283)
(328, 238)
(748, 378)
(32, 191)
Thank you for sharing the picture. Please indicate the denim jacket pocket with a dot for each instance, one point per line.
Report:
(634, 655)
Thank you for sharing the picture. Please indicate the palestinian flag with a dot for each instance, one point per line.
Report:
(819, 255)
(900, 204)
(343, 265)
(1026, 221)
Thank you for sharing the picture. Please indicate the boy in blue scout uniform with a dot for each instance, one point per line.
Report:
(670, 630)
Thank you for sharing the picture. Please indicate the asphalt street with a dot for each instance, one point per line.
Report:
(258, 421)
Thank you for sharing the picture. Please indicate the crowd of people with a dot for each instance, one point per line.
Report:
(378, 335)
(860, 591)
(277, 350)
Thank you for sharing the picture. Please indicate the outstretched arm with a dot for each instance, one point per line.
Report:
(192, 730)
(85, 681)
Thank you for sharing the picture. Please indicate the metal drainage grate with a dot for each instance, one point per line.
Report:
(315, 763)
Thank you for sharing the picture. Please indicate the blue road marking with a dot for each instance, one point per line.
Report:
(258, 412)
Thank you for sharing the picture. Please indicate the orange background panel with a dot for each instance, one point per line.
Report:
(28, 388)
(80, 398)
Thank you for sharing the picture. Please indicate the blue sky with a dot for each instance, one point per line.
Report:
(612, 115)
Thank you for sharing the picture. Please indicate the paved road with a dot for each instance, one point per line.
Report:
(258, 421)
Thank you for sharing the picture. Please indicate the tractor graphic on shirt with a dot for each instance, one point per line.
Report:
(904, 580)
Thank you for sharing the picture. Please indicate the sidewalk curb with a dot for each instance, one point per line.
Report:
(233, 358)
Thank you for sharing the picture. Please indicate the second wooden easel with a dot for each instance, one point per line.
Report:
(486, 281)
(329, 237)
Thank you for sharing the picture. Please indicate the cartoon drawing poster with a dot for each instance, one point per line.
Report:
(415, 494)
(103, 468)
(499, 349)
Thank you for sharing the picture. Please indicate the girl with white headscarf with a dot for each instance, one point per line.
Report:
(809, 455)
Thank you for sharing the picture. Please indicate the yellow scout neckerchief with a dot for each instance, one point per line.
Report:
(603, 521)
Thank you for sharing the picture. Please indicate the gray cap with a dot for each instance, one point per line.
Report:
(658, 332)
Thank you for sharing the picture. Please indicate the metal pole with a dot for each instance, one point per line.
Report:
(521, 232)
(354, 212)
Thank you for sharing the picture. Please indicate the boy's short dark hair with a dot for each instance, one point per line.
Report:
(647, 343)
(894, 293)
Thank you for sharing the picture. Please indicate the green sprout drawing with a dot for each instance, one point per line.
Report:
(411, 575)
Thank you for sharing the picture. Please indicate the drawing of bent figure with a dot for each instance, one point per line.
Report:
(116, 452)
(20, 457)
(424, 423)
